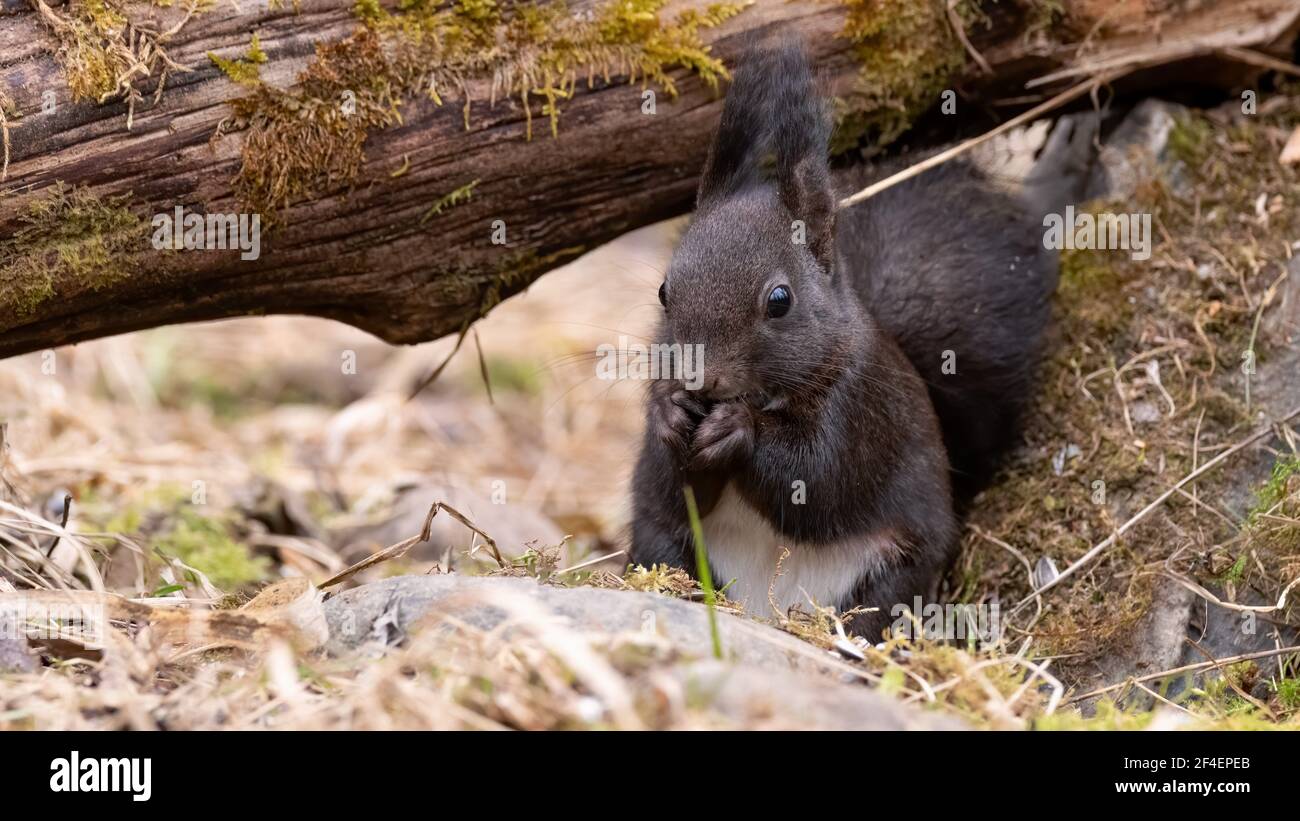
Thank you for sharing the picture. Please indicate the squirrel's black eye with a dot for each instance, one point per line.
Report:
(779, 301)
(663, 294)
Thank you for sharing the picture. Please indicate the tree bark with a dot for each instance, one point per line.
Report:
(375, 252)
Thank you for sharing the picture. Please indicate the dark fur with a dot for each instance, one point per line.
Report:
(947, 263)
(830, 393)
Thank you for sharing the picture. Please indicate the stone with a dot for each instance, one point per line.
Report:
(768, 678)
(1155, 643)
(15, 657)
(1132, 151)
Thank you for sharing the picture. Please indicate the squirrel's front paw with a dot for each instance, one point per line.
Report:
(674, 415)
(725, 436)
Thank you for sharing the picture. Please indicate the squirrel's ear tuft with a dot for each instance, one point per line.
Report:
(742, 138)
(775, 127)
(801, 126)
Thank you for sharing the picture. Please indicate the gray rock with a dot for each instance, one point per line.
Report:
(1144, 413)
(1276, 386)
(16, 6)
(769, 678)
(1224, 633)
(15, 657)
(397, 604)
(763, 699)
(1282, 323)
(1133, 150)
(1155, 643)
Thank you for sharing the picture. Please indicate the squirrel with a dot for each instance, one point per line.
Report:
(857, 366)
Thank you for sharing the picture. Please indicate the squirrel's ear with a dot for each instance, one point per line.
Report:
(805, 185)
(801, 128)
(775, 124)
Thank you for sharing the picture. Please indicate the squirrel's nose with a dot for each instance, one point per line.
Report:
(720, 387)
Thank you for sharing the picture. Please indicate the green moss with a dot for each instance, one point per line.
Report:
(1237, 571)
(1276, 488)
(368, 10)
(1274, 539)
(103, 51)
(206, 545)
(67, 239)
(1084, 272)
(453, 199)
(241, 71)
(909, 55)
(1091, 288)
(164, 517)
(1043, 14)
(1190, 139)
(311, 138)
(244, 70)
(1108, 716)
(1288, 693)
(255, 52)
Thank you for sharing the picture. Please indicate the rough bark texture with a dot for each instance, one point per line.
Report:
(360, 252)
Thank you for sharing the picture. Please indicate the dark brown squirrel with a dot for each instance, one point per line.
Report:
(851, 361)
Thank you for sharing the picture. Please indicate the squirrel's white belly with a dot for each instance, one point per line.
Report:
(744, 551)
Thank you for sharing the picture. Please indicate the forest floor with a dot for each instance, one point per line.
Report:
(206, 461)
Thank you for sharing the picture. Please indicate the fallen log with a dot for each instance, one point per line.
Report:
(403, 169)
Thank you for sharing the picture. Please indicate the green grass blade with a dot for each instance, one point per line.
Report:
(702, 570)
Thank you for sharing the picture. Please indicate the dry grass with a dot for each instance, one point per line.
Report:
(1145, 385)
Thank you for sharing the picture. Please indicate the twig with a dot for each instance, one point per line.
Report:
(960, 31)
(1149, 509)
(1039, 671)
(67, 508)
(1246, 55)
(1159, 697)
(1072, 93)
(1218, 665)
(1186, 668)
(483, 368)
(1196, 458)
(1163, 55)
(590, 562)
(1243, 608)
(428, 380)
(1269, 294)
(400, 549)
